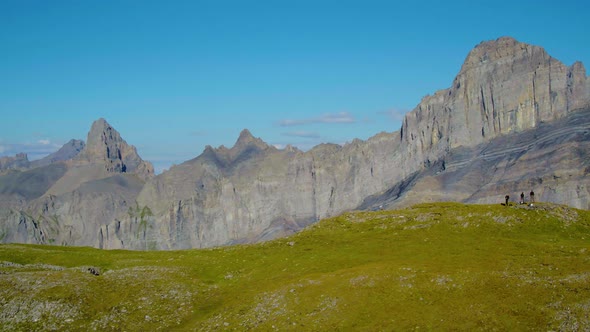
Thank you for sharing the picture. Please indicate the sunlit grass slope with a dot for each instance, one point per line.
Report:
(434, 267)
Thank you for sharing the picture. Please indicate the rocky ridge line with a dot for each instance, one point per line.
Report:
(254, 192)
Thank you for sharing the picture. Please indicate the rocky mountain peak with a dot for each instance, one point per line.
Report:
(246, 147)
(106, 146)
(504, 87)
(504, 50)
(246, 139)
(68, 151)
(101, 136)
(75, 144)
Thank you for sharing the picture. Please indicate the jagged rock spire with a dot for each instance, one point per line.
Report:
(105, 145)
(246, 138)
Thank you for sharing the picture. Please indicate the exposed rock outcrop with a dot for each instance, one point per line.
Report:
(552, 159)
(503, 87)
(214, 200)
(105, 146)
(81, 188)
(513, 120)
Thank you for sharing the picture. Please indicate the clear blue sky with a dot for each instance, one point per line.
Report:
(175, 76)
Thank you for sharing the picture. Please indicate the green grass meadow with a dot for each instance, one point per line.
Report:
(442, 266)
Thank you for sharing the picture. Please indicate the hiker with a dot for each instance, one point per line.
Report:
(532, 196)
(507, 198)
(522, 198)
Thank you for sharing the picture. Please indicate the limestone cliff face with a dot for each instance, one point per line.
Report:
(552, 159)
(253, 192)
(72, 218)
(105, 146)
(504, 87)
(511, 106)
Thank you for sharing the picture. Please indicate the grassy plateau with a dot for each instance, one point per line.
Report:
(442, 266)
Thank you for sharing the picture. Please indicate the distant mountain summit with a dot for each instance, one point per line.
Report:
(105, 146)
(68, 151)
(514, 120)
(19, 161)
(246, 147)
(503, 87)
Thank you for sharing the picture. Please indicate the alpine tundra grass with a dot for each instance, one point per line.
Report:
(442, 266)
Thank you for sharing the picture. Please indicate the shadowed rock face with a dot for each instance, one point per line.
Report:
(503, 87)
(105, 146)
(515, 119)
(553, 160)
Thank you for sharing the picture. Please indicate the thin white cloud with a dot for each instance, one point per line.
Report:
(341, 117)
(303, 134)
(44, 142)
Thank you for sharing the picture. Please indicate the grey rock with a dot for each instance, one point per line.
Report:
(552, 159)
(29, 184)
(67, 201)
(19, 161)
(514, 119)
(503, 87)
(212, 200)
(68, 151)
(106, 147)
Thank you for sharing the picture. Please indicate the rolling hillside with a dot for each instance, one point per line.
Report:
(432, 266)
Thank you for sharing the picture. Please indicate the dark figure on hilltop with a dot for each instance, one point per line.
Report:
(507, 197)
(532, 196)
(522, 198)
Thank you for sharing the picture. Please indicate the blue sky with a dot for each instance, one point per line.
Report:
(175, 76)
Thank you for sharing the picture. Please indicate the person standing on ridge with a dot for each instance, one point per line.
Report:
(532, 196)
(522, 198)
(507, 197)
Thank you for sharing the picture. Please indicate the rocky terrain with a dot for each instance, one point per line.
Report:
(552, 159)
(66, 202)
(515, 119)
(21, 160)
(435, 266)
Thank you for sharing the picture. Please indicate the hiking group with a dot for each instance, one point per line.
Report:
(522, 201)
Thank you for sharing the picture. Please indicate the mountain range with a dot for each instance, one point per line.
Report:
(514, 120)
